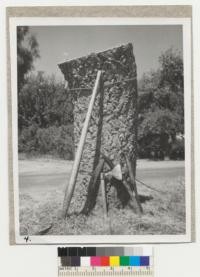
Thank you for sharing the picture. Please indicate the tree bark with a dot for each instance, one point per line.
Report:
(71, 186)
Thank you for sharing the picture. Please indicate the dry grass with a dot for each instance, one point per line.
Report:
(163, 214)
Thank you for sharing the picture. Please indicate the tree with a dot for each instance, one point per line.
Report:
(43, 101)
(171, 73)
(156, 131)
(45, 116)
(161, 106)
(27, 52)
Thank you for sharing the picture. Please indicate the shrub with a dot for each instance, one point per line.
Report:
(177, 151)
(57, 141)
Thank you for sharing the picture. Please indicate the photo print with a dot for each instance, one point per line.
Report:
(101, 118)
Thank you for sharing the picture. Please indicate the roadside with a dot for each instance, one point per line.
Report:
(42, 183)
(45, 166)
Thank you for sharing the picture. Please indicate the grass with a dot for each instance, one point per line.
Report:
(164, 213)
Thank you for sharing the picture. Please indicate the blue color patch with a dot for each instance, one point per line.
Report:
(144, 261)
(134, 260)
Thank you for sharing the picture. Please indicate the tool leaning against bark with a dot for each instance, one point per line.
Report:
(70, 187)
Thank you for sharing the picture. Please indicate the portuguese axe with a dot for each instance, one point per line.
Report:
(116, 172)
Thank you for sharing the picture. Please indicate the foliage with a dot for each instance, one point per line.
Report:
(171, 70)
(27, 52)
(43, 101)
(45, 119)
(56, 141)
(161, 108)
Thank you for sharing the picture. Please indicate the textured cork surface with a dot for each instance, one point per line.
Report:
(113, 125)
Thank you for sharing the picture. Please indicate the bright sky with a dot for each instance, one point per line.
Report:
(60, 43)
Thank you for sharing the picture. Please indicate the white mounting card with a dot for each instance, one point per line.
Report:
(39, 181)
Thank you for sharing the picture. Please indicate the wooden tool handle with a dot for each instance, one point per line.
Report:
(70, 187)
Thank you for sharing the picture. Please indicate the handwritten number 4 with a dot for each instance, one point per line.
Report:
(27, 239)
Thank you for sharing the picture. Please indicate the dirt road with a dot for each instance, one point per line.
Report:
(35, 176)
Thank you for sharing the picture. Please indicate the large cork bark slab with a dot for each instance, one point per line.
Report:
(113, 125)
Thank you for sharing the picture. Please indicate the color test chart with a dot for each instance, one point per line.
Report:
(105, 261)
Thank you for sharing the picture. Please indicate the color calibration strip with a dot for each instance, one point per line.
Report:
(105, 261)
(104, 251)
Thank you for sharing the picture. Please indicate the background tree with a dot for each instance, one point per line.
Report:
(171, 73)
(45, 118)
(161, 108)
(27, 52)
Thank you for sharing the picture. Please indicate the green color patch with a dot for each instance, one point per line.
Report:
(124, 261)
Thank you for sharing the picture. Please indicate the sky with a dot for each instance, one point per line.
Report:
(61, 43)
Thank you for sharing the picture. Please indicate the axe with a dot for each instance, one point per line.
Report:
(116, 172)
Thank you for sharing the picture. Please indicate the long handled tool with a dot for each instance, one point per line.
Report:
(116, 173)
(70, 187)
(107, 222)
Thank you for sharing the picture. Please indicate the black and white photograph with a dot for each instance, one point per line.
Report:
(101, 124)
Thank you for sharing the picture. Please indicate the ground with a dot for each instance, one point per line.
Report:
(42, 183)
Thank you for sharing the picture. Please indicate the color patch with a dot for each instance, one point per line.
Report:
(124, 261)
(144, 261)
(128, 251)
(95, 261)
(134, 260)
(82, 251)
(100, 251)
(62, 251)
(66, 261)
(73, 251)
(91, 251)
(105, 261)
(85, 261)
(114, 261)
(75, 261)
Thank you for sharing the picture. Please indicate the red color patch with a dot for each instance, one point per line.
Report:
(105, 261)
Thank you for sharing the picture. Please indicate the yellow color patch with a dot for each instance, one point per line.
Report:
(114, 260)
